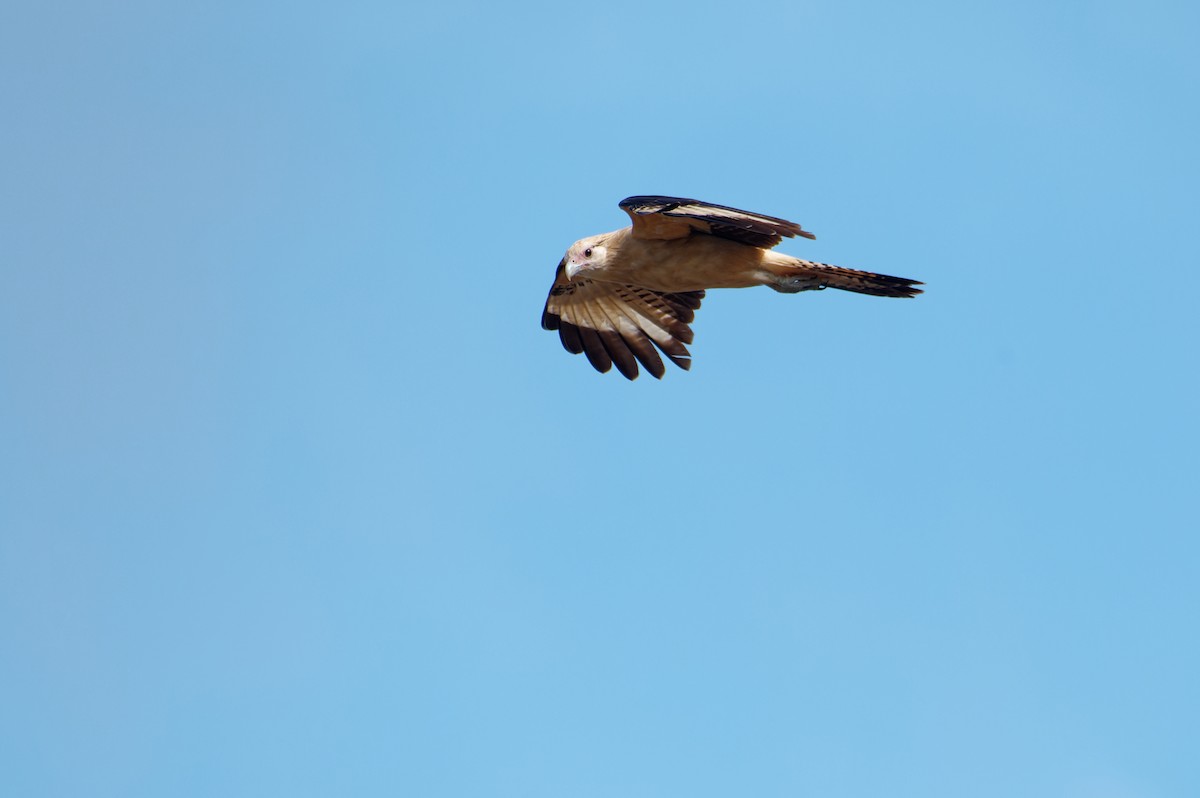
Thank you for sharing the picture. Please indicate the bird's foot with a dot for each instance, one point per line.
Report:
(795, 284)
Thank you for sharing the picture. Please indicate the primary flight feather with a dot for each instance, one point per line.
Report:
(618, 296)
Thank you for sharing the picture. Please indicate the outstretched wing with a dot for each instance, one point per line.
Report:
(615, 324)
(675, 217)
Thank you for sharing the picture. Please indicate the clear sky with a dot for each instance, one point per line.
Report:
(297, 498)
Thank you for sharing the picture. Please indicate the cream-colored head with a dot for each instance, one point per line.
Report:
(586, 255)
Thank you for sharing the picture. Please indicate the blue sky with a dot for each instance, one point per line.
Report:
(296, 497)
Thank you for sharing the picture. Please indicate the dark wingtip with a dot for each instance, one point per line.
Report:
(806, 234)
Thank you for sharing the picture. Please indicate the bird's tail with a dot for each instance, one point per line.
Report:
(805, 275)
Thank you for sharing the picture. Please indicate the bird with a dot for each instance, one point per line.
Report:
(616, 296)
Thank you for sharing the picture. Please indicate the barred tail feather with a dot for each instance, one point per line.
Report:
(800, 275)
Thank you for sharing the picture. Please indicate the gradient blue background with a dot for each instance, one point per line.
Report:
(297, 498)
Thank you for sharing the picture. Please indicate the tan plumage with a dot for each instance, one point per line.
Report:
(616, 296)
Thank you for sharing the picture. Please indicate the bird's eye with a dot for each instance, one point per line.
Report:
(587, 253)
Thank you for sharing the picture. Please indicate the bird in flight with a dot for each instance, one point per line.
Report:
(616, 296)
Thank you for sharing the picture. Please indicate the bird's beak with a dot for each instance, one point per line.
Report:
(570, 268)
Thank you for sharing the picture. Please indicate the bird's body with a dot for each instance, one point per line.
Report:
(694, 263)
(616, 292)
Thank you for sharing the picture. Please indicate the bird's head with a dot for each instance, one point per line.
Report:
(586, 255)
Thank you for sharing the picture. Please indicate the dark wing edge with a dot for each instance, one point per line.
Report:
(622, 325)
(745, 227)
